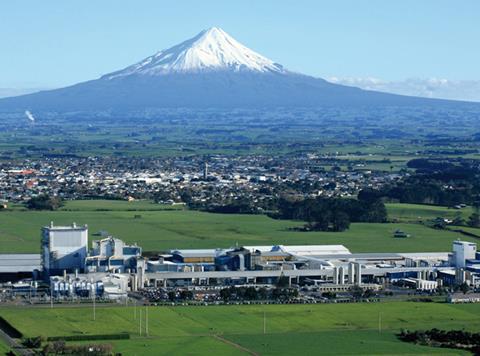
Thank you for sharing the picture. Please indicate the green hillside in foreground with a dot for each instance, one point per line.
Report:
(322, 329)
(3, 348)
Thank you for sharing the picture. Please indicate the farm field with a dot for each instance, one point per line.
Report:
(335, 343)
(307, 343)
(3, 348)
(419, 212)
(306, 328)
(116, 205)
(162, 229)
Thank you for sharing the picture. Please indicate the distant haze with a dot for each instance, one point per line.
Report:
(435, 88)
(7, 92)
(468, 90)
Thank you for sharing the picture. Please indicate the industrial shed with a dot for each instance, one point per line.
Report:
(18, 266)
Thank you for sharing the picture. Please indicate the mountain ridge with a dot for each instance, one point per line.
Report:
(210, 50)
(210, 70)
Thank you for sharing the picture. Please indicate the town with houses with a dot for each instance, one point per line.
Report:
(194, 180)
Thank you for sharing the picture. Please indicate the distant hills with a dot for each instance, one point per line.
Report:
(210, 70)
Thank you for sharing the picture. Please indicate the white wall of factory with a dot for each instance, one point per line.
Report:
(64, 248)
(462, 251)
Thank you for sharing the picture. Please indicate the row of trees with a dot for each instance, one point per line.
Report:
(44, 202)
(437, 182)
(332, 214)
(238, 206)
(59, 347)
(456, 339)
(182, 295)
(252, 293)
(474, 219)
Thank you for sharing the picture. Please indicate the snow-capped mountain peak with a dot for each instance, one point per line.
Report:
(211, 50)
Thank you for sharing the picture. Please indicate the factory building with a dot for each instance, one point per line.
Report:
(351, 274)
(331, 266)
(113, 255)
(113, 267)
(64, 248)
(463, 251)
(64, 287)
(16, 266)
(196, 255)
(420, 284)
(244, 258)
(302, 250)
(109, 286)
(463, 298)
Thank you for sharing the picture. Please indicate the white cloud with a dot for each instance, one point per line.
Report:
(468, 90)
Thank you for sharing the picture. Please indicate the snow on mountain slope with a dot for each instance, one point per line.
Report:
(210, 50)
(211, 70)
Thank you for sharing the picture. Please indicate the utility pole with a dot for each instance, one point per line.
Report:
(379, 322)
(146, 321)
(264, 323)
(140, 328)
(94, 316)
(264, 329)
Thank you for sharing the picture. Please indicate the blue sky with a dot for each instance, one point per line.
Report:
(54, 43)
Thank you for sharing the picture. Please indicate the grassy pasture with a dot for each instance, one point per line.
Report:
(3, 348)
(418, 212)
(155, 228)
(307, 329)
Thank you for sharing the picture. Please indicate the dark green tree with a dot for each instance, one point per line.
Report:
(340, 221)
(283, 281)
(44, 202)
(464, 288)
(357, 292)
(172, 296)
(225, 294)
(458, 220)
(186, 295)
(262, 293)
(251, 293)
(474, 220)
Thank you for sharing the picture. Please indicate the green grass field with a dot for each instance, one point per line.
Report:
(116, 205)
(306, 329)
(417, 212)
(3, 348)
(335, 343)
(166, 229)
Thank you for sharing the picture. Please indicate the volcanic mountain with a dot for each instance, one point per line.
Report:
(210, 70)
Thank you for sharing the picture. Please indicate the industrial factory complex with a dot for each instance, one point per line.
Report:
(109, 268)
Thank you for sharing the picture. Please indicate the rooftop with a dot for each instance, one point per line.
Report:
(465, 243)
(302, 249)
(74, 226)
(14, 263)
(359, 256)
(198, 252)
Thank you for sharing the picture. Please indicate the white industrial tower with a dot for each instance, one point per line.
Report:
(64, 248)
